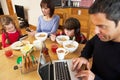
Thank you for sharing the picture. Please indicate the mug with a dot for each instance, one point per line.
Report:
(61, 52)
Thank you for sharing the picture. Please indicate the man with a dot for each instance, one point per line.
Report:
(104, 47)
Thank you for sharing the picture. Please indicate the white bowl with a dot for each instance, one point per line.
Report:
(61, 38)
(42, 36)
(70, 45)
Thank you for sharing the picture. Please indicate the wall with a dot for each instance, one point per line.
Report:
(1, 10)
(4, 6)
(32, 9)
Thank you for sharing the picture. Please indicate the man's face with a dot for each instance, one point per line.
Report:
(106, 29)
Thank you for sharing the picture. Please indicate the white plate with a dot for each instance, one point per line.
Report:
(18, 44)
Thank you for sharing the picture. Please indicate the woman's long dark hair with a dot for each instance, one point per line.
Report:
(49, 4)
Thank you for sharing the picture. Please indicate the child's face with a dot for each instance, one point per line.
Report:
(69, 33)
(10, 28)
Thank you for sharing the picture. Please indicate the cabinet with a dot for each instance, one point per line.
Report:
(81, 14)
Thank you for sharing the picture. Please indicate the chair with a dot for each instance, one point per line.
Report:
(85, 24)
(62, 19)
(14, 17)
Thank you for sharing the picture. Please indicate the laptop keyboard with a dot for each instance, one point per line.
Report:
(61, 70)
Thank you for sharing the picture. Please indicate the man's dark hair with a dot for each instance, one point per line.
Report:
(49, 4)
(111, 8)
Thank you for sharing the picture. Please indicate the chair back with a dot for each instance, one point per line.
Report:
(62, 19)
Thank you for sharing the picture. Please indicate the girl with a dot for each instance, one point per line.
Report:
(72, 29)
(10, 33)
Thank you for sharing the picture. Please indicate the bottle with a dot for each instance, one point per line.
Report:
(69, 2)
(42, 59)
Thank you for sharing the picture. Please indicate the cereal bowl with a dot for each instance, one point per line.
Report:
(42, 36)
(70, 45)
(61, 38)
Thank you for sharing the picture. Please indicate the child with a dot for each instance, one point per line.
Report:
(72, 29)
(10, 33)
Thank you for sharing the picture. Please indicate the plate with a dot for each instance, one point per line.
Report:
(18, 44)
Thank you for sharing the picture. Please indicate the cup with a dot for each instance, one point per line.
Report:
(61, 52)
(38, 44)
(9, 53)
(54, 48)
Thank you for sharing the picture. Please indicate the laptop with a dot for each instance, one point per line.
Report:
(56, 70)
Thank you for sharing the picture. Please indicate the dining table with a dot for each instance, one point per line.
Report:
(7, 71)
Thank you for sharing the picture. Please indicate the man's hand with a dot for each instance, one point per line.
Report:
(85, 75)
(78, 62)
(82, 67)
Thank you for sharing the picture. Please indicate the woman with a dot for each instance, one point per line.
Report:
(48, 22)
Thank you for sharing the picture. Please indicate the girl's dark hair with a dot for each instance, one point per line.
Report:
(72, 23)
(49, 4)
(111, 8)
